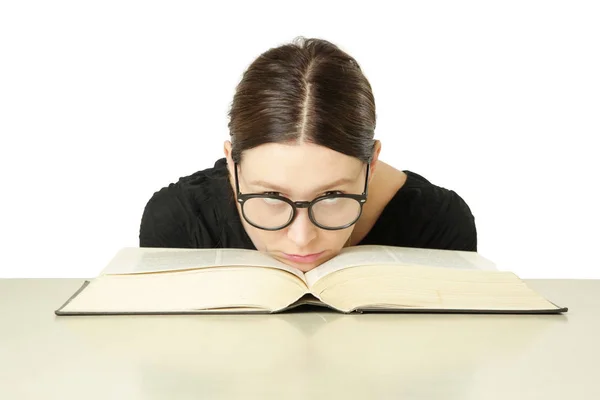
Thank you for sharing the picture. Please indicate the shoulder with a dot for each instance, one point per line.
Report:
(184, 214)
(422, 214)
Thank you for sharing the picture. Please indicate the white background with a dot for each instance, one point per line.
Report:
(103, 103)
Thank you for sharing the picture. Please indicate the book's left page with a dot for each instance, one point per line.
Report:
(143, 260)
(163, 281)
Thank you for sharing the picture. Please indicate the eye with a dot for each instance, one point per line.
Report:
(270, 201)
(273, 202)
(331, 201)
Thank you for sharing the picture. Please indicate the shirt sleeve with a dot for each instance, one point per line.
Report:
(452, 226)
(169, 220)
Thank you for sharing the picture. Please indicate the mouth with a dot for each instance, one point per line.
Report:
(305, 258)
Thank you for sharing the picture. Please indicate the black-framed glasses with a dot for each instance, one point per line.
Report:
(271, 211)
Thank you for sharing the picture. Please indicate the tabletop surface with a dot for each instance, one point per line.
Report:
(297, 355)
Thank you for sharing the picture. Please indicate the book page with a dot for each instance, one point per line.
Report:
(134, 260)
(240, 288)
(384, 255)
(255, 258)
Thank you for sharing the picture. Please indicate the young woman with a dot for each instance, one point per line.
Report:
(301, 177)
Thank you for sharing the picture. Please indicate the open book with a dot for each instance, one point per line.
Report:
(359, 279)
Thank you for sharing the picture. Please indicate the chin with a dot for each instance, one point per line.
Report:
(305, 267)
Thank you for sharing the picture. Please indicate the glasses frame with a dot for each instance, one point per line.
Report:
(242, 198)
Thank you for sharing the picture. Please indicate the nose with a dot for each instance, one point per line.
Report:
(302, 231)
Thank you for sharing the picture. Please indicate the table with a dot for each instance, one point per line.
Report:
(297, 355)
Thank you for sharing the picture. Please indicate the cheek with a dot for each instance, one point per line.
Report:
(262, 240)
(266, 240)
(336, 239)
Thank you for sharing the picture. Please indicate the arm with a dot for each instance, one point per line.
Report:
(452, 227)
(169, 220)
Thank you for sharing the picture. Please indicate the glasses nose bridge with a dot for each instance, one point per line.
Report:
(302, 204)
(298, 205)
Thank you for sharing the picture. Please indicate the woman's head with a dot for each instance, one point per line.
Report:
(302, 118)
(306, 91)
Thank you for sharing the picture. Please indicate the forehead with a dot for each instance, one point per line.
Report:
(300, 167)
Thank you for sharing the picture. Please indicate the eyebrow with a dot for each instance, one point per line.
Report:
(281, 189)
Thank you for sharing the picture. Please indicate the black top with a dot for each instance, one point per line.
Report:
(199, 212)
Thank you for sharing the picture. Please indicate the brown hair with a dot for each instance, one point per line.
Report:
(308, 90)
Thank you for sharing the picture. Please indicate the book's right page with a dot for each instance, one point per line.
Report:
(416, 279)
(385, 255)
